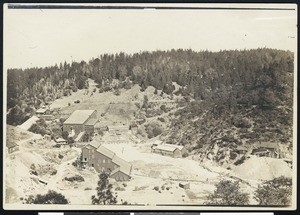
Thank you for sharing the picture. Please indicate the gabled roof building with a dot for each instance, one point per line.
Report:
(102, 159)
(81, 121)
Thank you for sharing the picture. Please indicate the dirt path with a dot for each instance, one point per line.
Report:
(52, 185)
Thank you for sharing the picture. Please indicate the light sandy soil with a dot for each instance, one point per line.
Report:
(149, 170)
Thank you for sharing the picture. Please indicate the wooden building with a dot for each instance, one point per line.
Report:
(167, 150)
(182, 149)
(241, 150)
(11, 146)
(62, 142)
(267, 149)
(172, 150)
(102, 159)
(81, 121)
(184, 185)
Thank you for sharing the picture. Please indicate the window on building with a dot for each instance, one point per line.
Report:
(85, 159)
(92, 165)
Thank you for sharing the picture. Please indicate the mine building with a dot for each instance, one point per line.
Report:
(102, 159)
(167, 150)
(172, 150)
(81, 122)
(267, 149)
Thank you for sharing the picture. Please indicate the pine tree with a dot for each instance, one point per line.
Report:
(104, 193)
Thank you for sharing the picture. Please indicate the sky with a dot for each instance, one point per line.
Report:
(39, 38)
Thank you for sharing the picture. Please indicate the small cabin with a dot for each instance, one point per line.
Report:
(267, 149)
(241, 150)
(184, 185)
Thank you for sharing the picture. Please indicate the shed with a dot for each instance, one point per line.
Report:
(270, 149)
(184, 185)
(11, 146)
(241, 149)
(41, 111)
(121, 174)
(182, 149)
(167, 150)
(61, 141)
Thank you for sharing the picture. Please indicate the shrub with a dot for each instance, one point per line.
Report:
(228, 193)
(60, 156)
(53, 172)
(51, 197)
(161, 119)
(153, 130)
(120, 189)
(233, 155)
(275, 192)
(33, 169)
(163, 108)
(156, 188)
(77, 178)
(240, 161)
(185, 155)
(242, 123)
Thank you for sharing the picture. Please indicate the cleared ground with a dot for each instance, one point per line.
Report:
(155, 178)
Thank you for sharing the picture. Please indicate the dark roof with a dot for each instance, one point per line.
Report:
(165, 148)
(241, 148)
(271, 145)
(10, 143)
(91, 122)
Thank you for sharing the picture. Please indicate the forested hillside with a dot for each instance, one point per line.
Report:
(249, 92)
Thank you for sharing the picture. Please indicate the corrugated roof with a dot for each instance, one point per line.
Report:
(59, 140)
(165, 148)
(269, 145)
(10, 143)
(91, 122)
(28, 123)
(79, 116)
(41, 110)
(95, 144)
(241, 148)
(124, 166)
(106, 152)
(177, 146)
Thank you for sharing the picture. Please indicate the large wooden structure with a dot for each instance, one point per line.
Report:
(102, 159)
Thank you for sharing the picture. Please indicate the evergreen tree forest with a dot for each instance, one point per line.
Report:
(216, 81)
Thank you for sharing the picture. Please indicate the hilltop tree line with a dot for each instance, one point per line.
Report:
(261, 77)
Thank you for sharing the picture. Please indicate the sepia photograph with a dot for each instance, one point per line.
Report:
(149, 107)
